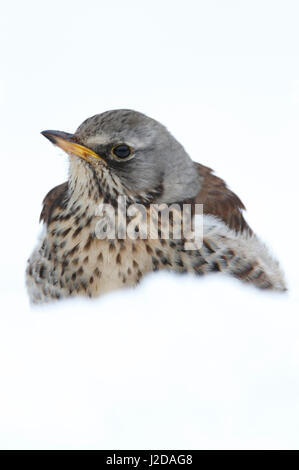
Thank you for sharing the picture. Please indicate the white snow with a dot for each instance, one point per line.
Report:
(179, 362)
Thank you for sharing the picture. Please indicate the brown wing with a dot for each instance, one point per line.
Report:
(220, 201)
(54, 198)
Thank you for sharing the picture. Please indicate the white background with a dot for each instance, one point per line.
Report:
(179, 362)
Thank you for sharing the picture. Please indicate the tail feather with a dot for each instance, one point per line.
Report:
(241, 255)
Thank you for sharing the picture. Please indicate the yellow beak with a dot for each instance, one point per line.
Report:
(69, 143)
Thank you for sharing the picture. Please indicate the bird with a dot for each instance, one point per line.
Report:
(124, 153)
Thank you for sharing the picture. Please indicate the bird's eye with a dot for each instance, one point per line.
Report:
(122, 151)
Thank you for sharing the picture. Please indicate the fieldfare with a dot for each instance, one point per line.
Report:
(125, 154)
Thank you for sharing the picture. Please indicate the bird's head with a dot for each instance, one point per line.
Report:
(124, 152)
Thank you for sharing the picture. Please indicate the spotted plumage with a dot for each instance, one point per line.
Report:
(71, 260)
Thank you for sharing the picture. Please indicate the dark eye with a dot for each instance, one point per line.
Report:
(122, 151)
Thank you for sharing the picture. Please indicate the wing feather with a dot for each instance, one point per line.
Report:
(219, 200)
(54, 198)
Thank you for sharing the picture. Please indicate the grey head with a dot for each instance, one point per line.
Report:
(138, 152)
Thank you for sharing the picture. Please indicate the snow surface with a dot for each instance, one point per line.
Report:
(179, 362)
